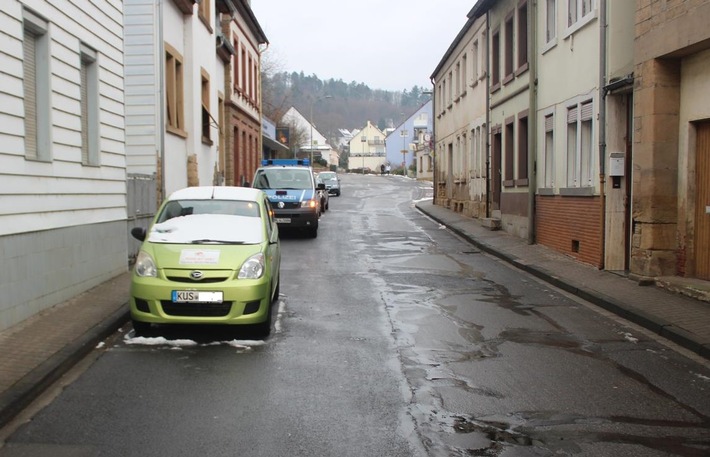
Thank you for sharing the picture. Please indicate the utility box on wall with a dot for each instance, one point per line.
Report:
(617, 168)
(616, 164)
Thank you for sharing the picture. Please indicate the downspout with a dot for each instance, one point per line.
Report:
(433, 145)
(488, 117)
(161, 91)
(532, 121)
(602, 125)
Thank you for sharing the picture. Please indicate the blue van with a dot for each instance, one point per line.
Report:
(292, 191)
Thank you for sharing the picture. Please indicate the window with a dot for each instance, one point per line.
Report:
(250, 79)
(579, 145)
(464, 65)
(458, 79)
(572, 132)
(174, 89)
(549, 178)
(37, 94)
(509, 145)
(579, 12)
(474, 62)
(203, 12)
(243, 83)
(509, 47)
(89, 93)
(255, 81)
(495, 60)
(222, 138)
(451, 89)
(235, 69)
(550, 21)
(522, 151)
(522, 36)
(206, 116)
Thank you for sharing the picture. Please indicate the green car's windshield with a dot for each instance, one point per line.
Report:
(283, 178)
(177, 208)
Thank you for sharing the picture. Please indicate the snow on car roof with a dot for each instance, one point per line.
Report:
(216, 192)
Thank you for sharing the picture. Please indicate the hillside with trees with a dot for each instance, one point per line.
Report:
(349, 106)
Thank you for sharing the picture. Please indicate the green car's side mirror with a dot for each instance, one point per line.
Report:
(138, 233)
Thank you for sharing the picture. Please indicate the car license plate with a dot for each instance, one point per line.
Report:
(194, 296)
(283, 220)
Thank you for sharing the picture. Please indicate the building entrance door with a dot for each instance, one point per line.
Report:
(702, 202)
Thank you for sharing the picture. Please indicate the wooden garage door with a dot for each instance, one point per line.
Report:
(702, 202)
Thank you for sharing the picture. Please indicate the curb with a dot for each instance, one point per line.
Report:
(650, 322)
(27, 389)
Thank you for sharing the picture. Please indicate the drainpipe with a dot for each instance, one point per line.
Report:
(602, 123)
(433, 145)
(488, 117)
(161, 91)
(532, 121)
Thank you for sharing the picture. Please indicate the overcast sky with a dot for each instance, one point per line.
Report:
(386, 44)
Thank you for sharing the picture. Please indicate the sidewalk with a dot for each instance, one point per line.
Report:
(38, 351)
(679, 318)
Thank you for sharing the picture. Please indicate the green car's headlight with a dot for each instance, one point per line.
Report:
(253, 268)
(145, 266)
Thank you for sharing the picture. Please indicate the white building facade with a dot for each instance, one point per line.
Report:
(367, 149)
(62, 152)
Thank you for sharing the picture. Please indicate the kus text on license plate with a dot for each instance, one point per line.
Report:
(194, 296)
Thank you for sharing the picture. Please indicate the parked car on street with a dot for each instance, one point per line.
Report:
(331, 181)
(323, 193)
(211, 256)
(292, 190)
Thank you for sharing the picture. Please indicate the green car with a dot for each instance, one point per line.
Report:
(211, 256)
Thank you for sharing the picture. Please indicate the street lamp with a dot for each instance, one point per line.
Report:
(404, 134)
(311, 121)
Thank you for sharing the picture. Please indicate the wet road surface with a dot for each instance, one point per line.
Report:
(393, 338)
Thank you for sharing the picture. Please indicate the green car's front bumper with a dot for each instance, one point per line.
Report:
(244, 301)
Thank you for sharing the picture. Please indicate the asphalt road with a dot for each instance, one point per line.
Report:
(393, 338)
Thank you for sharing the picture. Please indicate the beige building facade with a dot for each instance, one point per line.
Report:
(671, 119)
(459, 111)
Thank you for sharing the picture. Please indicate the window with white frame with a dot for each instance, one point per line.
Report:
(36, 87)
(579, 145)
(89, 92)
(550, 20)
(579, 11)
(549, 178)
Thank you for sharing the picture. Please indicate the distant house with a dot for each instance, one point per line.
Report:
(367, 149)
(312, 144)
(402, 142)
(62, 152)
